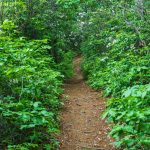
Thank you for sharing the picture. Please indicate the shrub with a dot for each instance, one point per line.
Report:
(131, 116)
(116, 60)
(30, 89)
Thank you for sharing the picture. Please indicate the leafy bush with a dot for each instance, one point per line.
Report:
(66, 65)
(115, 76)
(30, 89)
(131, 115)
(116, 59)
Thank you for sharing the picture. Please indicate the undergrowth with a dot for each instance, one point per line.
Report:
(116, 60)
(30, 87)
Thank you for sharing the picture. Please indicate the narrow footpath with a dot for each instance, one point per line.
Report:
(82, 127)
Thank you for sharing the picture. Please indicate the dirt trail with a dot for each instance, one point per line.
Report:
(82, 128)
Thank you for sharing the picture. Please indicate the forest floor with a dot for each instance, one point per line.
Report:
(82, 128)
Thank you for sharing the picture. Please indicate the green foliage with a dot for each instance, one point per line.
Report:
(8, 28)
(36, 43)
(44, 19)
(131, 115)
(116, 59)
(66, 66)
(30, 89)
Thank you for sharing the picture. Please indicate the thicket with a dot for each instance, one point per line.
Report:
(30, 88)
(116, 53)
(36, 42)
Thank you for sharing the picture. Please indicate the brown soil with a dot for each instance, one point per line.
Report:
(82, 127)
